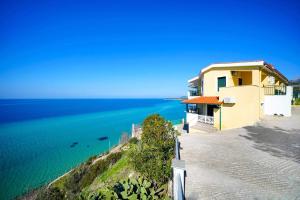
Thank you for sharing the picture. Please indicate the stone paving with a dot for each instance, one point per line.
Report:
(255, 162)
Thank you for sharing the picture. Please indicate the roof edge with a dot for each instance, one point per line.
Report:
(233, 64)
(246, 63)
(193, 79)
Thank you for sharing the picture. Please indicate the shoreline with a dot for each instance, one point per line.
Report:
(34, 192)
(30, 194)
(99, 157)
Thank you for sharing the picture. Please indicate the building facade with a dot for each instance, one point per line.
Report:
(233, 95)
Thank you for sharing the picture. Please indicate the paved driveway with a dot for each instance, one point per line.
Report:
(255, 162)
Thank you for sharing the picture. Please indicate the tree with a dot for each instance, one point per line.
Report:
(152, 156)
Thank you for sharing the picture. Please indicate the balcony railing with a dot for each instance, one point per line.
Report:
(206, 119)
(275, 90)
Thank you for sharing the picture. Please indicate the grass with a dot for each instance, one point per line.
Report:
(120, 170)
(60, 183)
(84, 175)
(115, 169)
(115, 173)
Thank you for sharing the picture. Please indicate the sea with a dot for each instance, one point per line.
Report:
(41, 139)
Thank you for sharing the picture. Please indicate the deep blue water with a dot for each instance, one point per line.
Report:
(27, 109)
(36, 136)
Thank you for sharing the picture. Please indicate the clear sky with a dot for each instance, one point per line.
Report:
(82, 49)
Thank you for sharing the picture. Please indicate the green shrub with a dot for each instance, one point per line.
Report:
(114, 157)
(297, 101)
(152, 157)
(133, 140)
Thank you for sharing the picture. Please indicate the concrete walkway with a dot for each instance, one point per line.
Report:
(255, 162)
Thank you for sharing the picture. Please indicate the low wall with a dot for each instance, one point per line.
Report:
(278, 104)
(191, 118)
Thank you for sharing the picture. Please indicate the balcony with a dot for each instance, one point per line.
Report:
(194, 93)
(274, 90)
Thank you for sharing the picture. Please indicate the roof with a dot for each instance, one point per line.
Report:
(193, 79)
(245, 64)
(203, 100)
(272, 68)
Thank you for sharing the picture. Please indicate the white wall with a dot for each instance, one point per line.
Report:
(191, 118)
(279, 104)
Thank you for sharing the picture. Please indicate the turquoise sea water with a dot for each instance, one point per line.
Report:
(35, 150)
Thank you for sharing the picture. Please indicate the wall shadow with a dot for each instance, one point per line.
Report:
(276, 141)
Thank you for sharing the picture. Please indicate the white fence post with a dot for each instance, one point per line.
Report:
(132, 130)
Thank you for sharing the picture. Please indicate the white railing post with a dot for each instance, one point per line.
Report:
(132, 131)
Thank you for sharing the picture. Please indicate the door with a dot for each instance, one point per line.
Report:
(210, 110)
(240, 81)
(221, 82)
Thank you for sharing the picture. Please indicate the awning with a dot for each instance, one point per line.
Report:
(203, 100)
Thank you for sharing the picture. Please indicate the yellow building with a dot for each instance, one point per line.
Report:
(233, 95)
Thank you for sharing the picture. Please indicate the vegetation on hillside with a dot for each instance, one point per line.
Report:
(140, 169)
(70, 186)
(131, 188)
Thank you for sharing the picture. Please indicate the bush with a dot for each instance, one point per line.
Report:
(133, 140)
(297, 101)
(152, 157)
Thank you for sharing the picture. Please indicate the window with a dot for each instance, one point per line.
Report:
(221, 82)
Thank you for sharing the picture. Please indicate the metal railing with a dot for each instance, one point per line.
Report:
(206, 119)
(275, 90)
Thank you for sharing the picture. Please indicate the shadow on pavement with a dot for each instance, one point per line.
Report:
(276, 141)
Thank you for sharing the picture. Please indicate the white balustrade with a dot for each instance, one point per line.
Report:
(206, 119)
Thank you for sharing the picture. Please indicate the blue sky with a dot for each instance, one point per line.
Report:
(93, 49)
